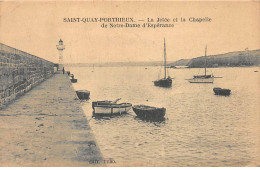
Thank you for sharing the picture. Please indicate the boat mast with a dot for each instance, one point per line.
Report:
(205, 61)
(164, 59)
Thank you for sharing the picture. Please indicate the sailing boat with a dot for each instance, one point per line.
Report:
(164, 82)
(203, 78)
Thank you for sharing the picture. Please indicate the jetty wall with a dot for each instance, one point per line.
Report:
(20, 72)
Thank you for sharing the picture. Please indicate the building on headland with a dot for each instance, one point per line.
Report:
(20, 72)
(60, 48)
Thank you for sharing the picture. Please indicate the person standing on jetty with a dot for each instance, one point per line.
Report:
(63, 70)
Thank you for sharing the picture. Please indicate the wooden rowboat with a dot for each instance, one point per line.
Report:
(109, 108)
(149, 112)
(112, 108)
(83, 94)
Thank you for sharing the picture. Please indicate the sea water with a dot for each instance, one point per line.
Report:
(200, 128)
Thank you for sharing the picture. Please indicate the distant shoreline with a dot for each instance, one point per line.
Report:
(160, 66)
(247, 58)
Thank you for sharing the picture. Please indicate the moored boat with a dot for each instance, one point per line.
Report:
(201, 79)
(206, 78)
(107, 107)
(220, 91)
(74, 80)
(166, 81)
(83, 94)
(149, 112)
(112, 108)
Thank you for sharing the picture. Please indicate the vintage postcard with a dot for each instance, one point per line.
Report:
(129, 83)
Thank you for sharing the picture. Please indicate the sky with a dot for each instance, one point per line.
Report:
(36, 27)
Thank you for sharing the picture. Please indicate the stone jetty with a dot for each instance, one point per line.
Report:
(47, 127)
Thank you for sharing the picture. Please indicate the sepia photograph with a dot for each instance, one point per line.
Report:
(129, 83)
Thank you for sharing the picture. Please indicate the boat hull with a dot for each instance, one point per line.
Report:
(153, 113)
(202, 80)
(163, 83)
(220, 91)
(203, 76)
(110, 109)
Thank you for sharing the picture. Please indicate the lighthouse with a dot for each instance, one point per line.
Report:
(60, 48)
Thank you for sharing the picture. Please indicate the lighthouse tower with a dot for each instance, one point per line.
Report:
(60, 48)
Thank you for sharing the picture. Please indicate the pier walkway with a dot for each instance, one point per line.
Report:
(47, 127)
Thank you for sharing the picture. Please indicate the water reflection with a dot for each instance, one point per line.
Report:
(84, 100)
(107, 116)
(155, 121)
